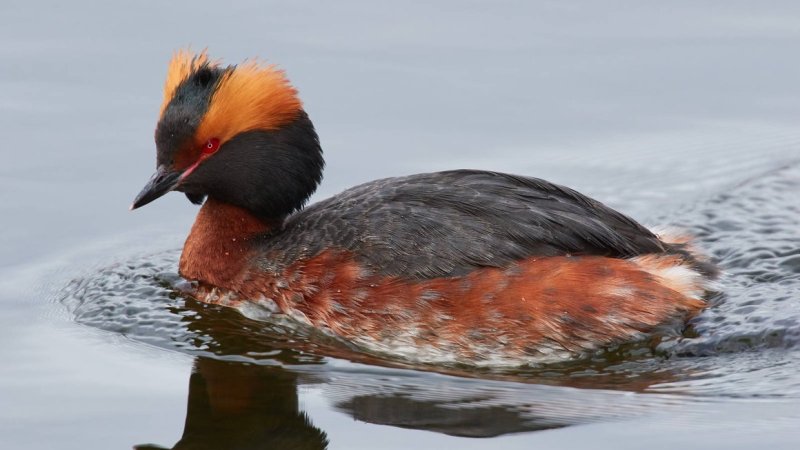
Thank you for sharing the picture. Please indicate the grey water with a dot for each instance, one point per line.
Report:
(681, 114)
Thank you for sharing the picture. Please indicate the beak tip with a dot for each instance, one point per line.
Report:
(163, 181)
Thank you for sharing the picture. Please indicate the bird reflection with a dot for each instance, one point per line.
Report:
(241, 406)
(254, 404)
(238, 406)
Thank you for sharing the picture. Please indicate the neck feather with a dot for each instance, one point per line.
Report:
(219, 247)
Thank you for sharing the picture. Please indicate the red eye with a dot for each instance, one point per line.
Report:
(211, 146)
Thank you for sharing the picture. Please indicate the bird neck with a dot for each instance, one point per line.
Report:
(220, 244)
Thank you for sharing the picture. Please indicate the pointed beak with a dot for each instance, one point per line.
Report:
(163, 181)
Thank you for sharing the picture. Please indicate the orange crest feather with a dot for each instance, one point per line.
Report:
(182, 64)
(249, 97)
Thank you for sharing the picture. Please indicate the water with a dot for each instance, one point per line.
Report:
(682, 116)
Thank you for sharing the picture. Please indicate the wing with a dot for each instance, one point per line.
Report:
(449, 223)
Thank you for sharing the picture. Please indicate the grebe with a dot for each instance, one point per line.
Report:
(465, 266)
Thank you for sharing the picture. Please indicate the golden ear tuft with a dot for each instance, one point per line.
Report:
(182, 64)
(250, 96)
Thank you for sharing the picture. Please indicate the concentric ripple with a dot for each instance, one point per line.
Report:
(753, 231)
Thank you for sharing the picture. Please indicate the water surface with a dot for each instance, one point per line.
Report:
(682, 115)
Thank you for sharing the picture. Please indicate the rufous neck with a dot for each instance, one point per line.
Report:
(232, 220)
(220, 244)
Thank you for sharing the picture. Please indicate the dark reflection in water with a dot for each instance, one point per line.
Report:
(236, 405)
(242, 405)
(482, 421)
(243, 393)
(239, 406)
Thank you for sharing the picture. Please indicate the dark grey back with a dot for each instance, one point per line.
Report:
(449, 223)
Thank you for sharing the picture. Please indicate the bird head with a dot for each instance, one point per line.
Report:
(236, 133)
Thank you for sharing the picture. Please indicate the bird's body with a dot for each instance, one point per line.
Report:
(463, 266)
